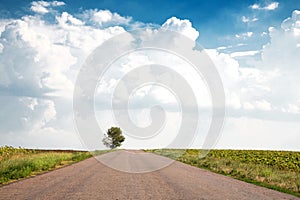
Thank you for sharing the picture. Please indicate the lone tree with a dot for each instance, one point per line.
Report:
(113, 137)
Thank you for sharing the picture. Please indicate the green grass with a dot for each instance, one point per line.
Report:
(100, 152)
(279, 170)
(17, 163)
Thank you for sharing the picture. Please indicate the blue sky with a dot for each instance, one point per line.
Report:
(218, 21)
(254, 45)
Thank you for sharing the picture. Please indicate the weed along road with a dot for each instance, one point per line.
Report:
(90, 179)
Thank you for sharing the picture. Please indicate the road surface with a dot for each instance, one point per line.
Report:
(91, 179)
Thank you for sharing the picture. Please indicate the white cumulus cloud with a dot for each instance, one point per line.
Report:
(182, 26)
(42, 6)
(38, 66)
(271, 6)
(248, 19)
(105, 18)
(244, 53)
(244, 35)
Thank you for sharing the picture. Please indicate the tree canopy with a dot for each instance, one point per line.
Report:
(113, 138)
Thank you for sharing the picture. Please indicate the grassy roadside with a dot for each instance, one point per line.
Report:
(278, 170)
(17, 163)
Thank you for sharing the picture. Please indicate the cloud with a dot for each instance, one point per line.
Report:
(39, 7)
(26, 113)
(263, 105)
(39, 61)
(58, 3)
(291, 24)
(282, 56)
(37, 66)
(244, 53)
(269, 81)
(105, 18)
(182, 26)
(42, 6)
(222, 48)
(66, 18)
(247, 19)
(244, 35)
(271, 6)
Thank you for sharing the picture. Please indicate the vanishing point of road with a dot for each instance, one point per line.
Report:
(90, 179)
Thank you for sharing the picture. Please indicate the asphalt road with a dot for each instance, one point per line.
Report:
(90, 179)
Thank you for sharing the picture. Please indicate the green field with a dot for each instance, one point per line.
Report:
(279, 170)
(17, 163)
